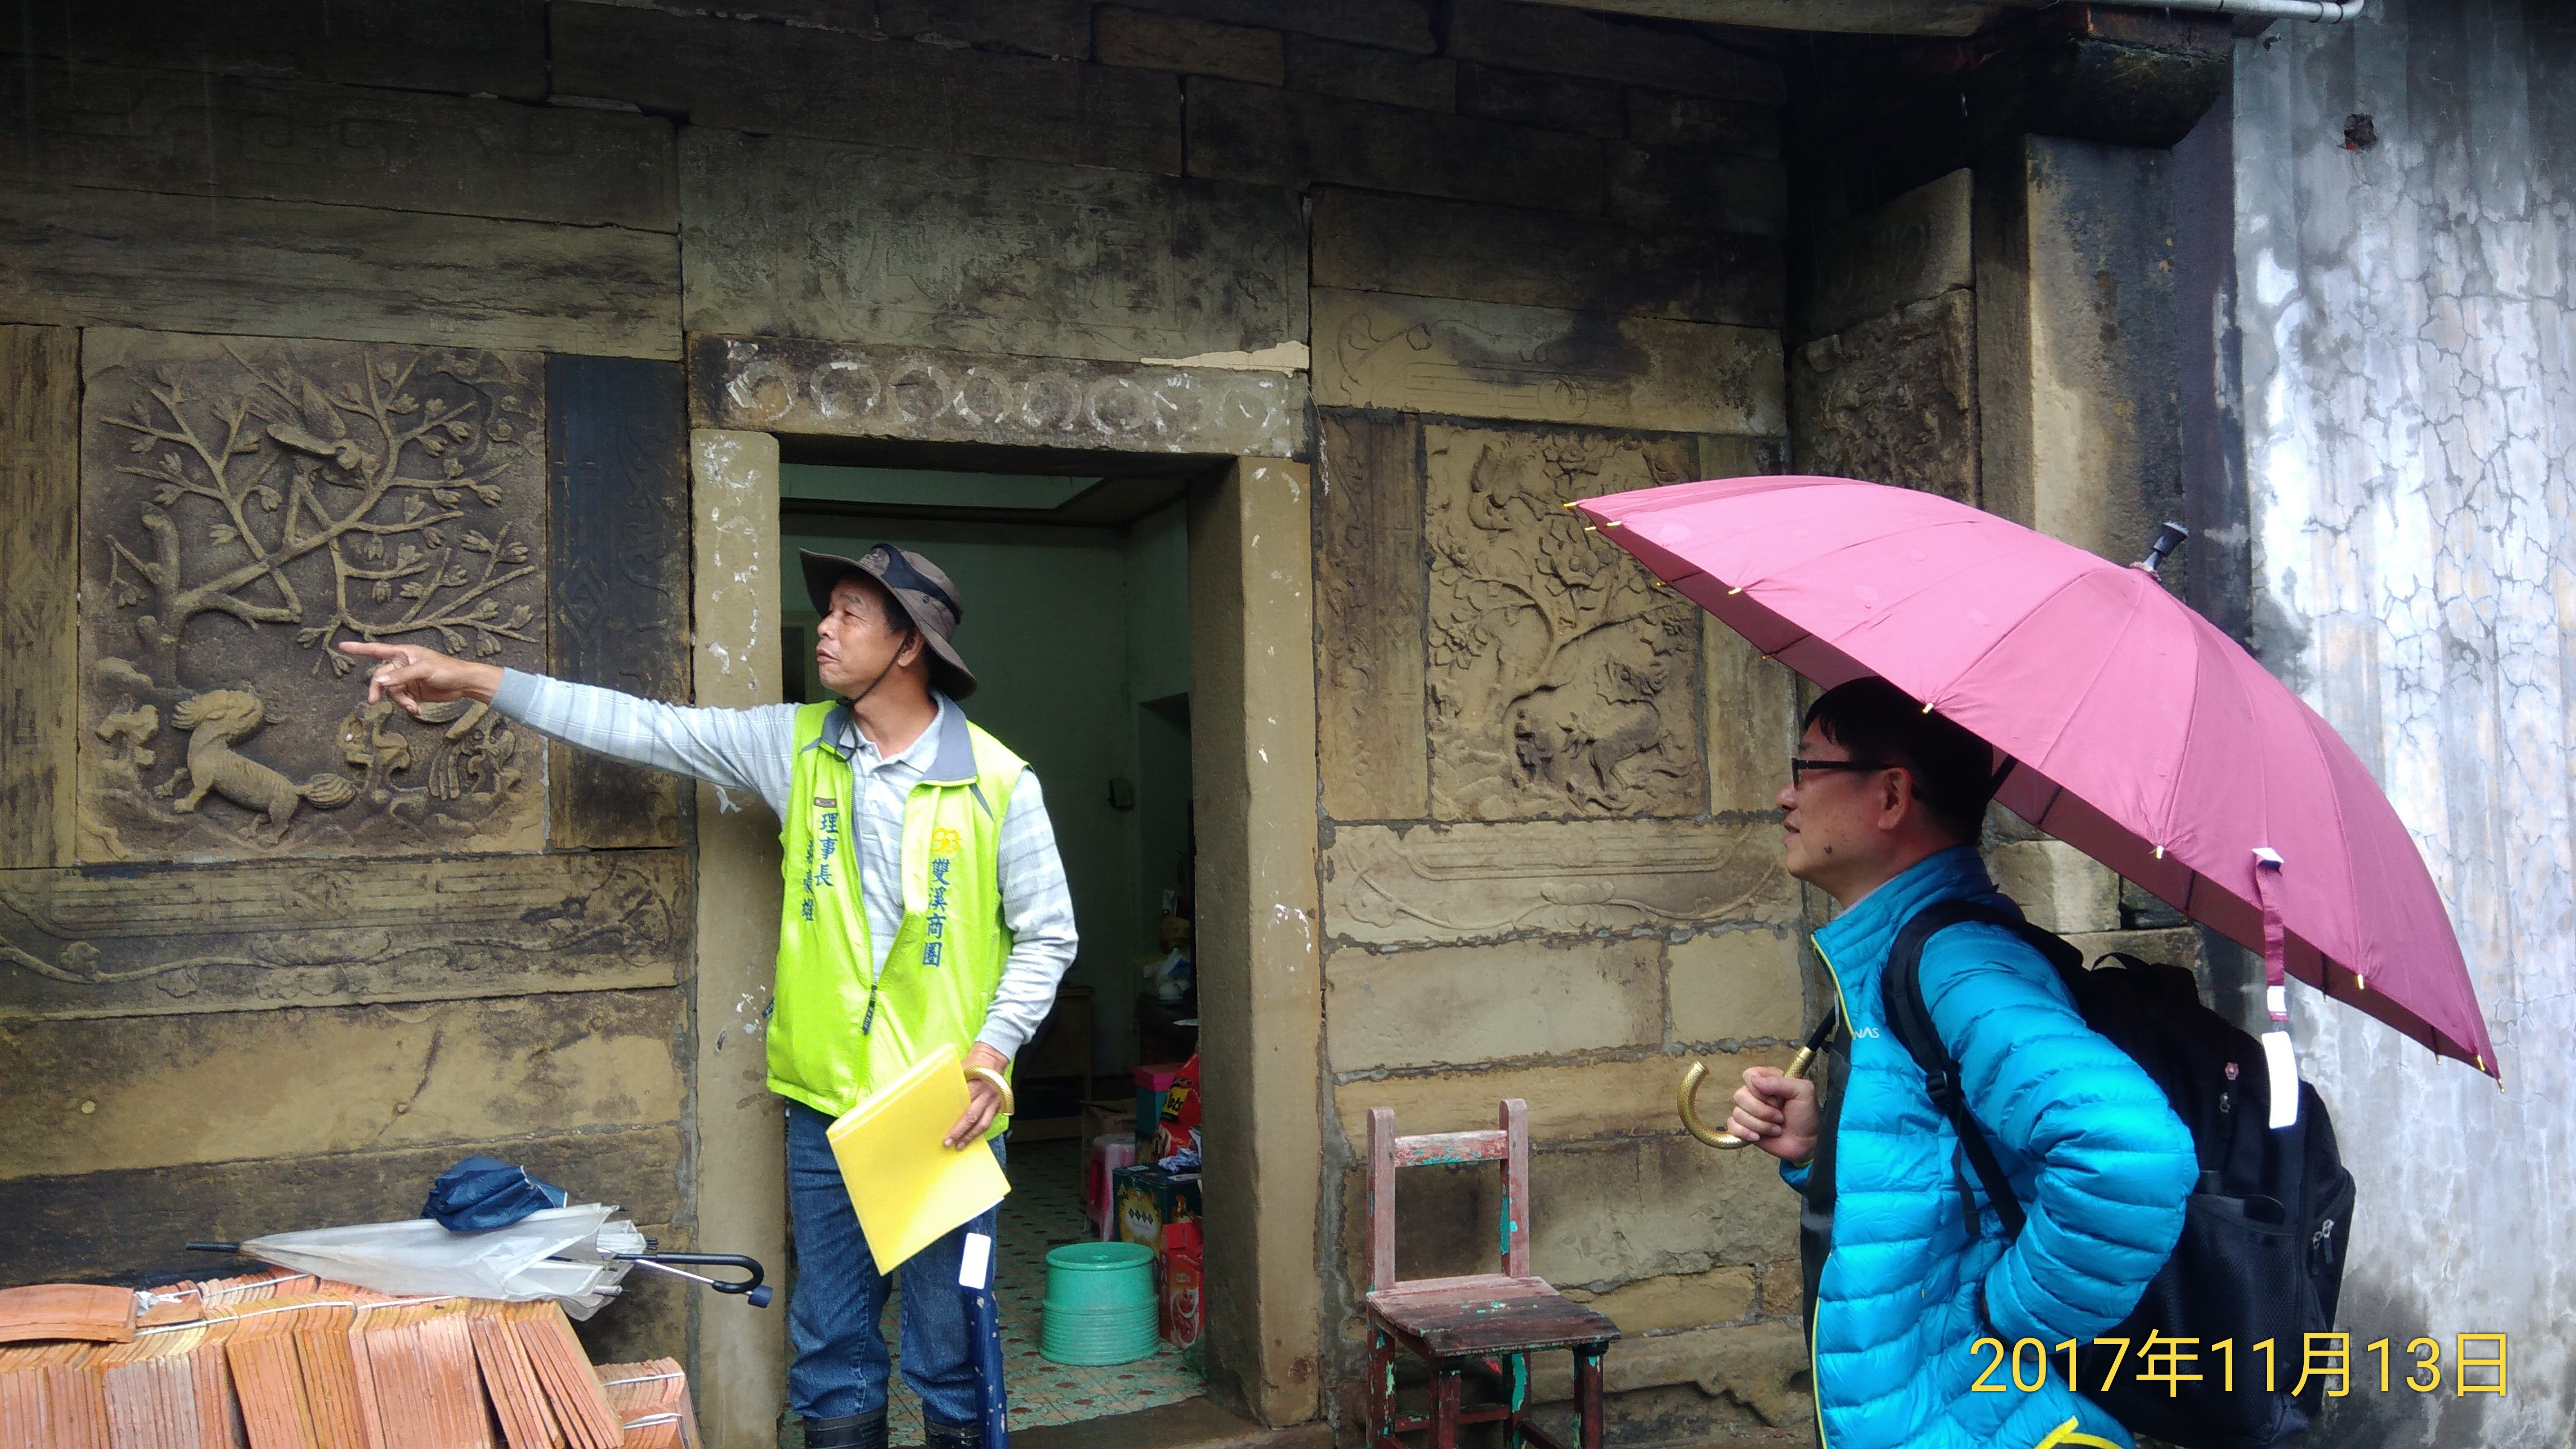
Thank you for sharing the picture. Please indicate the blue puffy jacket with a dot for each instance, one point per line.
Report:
(2094, 1153)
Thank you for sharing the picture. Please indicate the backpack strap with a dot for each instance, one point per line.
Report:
(1910, 1022)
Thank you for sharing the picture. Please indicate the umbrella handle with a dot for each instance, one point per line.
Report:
(748, 1287)
(1686, 1102)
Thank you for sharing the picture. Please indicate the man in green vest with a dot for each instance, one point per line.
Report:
(925, 906)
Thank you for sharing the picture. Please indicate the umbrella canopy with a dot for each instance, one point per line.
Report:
(2140, 734)
(574, 1255)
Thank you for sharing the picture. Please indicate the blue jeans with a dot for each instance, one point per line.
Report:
(841, 1362)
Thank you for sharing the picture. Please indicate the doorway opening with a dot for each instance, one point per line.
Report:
(1074, 583)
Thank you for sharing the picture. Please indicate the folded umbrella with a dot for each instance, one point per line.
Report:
(2136, 731)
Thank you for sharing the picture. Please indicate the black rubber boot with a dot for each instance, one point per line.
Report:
(858, 1431)
(936, 1435)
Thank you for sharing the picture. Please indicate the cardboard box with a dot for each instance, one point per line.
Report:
(1100, 1119)
(1148, 1200)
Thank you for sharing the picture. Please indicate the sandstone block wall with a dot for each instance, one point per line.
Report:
(1469, 262)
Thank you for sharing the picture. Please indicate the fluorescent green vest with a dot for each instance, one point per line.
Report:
(834, 1032)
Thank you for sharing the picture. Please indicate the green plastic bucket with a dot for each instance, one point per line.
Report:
(1098, 1336)
(1100, 1275)
(1100, 1306)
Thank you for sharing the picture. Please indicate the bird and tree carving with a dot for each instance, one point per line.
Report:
(255, 503)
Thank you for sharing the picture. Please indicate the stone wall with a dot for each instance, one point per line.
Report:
(1546, 871)
(378, 327)
(2406, 187)
(402, 324)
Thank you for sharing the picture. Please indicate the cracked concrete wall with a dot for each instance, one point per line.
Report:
(2410, 422)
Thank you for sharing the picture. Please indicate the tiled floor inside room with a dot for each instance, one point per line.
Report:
(1044, 1211)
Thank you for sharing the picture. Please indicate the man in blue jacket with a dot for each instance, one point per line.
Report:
(1884, 808)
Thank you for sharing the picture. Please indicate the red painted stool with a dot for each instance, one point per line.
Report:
(1456, 1324)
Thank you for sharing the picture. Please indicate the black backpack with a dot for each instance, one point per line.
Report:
(2262, 1247)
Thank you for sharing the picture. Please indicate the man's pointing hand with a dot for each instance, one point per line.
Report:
(412, 676)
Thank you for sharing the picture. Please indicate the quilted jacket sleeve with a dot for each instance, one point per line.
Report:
(2108, 1163)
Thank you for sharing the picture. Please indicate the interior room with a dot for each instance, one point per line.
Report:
(1076, 621)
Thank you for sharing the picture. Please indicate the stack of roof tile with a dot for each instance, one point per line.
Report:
(43, 1311)
(279, 1360)
(652, 1403)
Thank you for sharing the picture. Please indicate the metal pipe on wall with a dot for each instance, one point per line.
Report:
(2323, 12)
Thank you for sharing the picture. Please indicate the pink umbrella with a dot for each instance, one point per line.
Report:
(2140, 734)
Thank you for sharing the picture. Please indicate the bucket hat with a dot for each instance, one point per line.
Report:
(919, 587)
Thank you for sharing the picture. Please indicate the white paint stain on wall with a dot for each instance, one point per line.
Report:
(2410, 375)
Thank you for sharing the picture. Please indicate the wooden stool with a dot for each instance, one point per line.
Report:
(1456, 1324)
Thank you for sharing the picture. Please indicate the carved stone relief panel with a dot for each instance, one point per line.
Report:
(1562, 679)
(1436, 885)
(158, 940)
(246, 506)
(1893, 399)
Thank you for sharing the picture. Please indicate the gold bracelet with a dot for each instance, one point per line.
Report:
(1000, 1083)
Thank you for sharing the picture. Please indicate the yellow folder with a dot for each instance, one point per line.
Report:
(910, 1189)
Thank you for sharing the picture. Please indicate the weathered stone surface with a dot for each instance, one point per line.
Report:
(1562, 680)
(1725, 456)
(2058, 887)
(1033, 27)
(1369, 582)
(1690, 186)
(1737, 986)
(854, 391)
(166, 1090)
(1664, 118)
(40, 559)
(1388, 24)
(1752, 707)
(463, 47)
(1121, 36)
(1784, 1288)
(1912, 249)
(737, 1153)
(111, 1225)
(290, 269)
(1366, 242)
(1599, 1100)
(2175, 947)
(181, 939)
(1894, 399)
(804, 238)
(1761, 1365)
(1039, 27)
(1364, 73)
(720, 72)
(1632, 52)
(306, 493)
(1433, 885)
(289, 141)
(2077, 390)
(1613, 1212)
(1484, 359)
(617, 485)
(1680, 1300)
(1484, 1003)
(1274, 137)
(1555, 102)
(1253, 764)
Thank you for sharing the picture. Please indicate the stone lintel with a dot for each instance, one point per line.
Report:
(916, 394)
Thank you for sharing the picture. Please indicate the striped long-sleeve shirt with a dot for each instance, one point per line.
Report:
(754, 750)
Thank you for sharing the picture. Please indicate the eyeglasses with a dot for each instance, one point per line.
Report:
(1799, 767)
